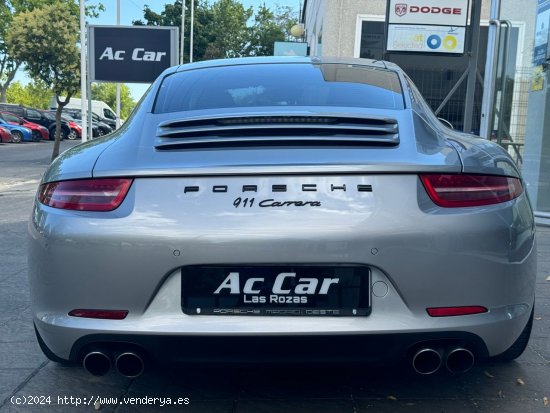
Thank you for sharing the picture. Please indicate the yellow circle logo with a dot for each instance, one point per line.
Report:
(449, 42)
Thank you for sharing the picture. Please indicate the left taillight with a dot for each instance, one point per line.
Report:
(462, 190)
(104, 194)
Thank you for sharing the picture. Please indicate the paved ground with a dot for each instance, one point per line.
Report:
(519, 386)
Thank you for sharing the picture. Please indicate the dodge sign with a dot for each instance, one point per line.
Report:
(134, 54)
(436, 12)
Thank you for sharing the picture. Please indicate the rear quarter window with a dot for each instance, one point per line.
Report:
(263, 85)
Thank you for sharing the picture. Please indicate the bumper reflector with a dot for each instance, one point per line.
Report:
(103, 314)
(454, 311)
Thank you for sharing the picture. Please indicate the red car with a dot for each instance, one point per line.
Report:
(38, 132)
(76, 129)
(5, 135)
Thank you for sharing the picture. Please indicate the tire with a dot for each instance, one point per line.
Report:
(100, 132)
(36, 136)
(72, 136)
(47, 352)
(520, 344)
(16, 136)
(62, 136)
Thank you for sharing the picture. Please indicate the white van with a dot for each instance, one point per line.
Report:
(99, 107)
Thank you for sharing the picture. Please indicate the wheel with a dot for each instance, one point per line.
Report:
(16, 136)
(72, 136)
(47, 352)
(100, 132)
(62, 135)
(520, 344)
(36, 136)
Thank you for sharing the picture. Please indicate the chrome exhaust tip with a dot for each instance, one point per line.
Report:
(426, 361)
(97, 363)
(129, 364)
(459, 360)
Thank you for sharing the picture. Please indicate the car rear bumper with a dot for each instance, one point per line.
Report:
(419, 254)
(391, 329)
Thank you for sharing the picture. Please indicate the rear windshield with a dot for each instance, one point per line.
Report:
(280, 85)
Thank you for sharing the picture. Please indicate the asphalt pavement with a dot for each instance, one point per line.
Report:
(31, 383)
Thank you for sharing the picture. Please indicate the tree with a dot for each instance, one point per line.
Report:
(49, 51)
(227, 32)
(35, 94)
(223, 29)
(107, 93)
(8, 66)
(11, 8)
(270, 26)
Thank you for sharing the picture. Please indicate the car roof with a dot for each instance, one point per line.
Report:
(285, 59)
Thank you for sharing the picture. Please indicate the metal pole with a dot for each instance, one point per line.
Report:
(191, 35)
(89, 103)
(486, 124)
(451, 92)
(182, 44)
(83, 79)
(472, 67)
(503, 78)
(118, 84)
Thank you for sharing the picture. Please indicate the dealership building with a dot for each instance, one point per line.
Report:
(358, 28)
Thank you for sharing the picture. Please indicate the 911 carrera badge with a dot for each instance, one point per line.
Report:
(272, 203)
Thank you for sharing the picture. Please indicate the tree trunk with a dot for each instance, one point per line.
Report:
(60, 105)
(3, 93)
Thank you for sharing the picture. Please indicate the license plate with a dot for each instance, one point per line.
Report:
(271, 290)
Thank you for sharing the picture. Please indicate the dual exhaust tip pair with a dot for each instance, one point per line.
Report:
(429, 360)
(129, 364)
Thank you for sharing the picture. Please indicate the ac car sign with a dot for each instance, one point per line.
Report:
(134, 54)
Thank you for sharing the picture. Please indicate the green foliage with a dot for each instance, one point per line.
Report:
(270, 26)
(49, 51)
(225, 28)
(107, 93)
(35, 94)
(227, 32)
(10, 9)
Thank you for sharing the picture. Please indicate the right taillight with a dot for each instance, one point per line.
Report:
(453, 191)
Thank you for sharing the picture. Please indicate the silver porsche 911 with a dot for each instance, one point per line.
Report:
(282, 209)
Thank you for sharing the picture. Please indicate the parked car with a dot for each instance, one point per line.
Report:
(99, 108)
(76, 129)
(102, 128)
(36, 116)
(5, 135)
(39, 132)
(18, 133)
(76, 117)
(284, 208)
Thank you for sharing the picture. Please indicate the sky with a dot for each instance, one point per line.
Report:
(131, 10)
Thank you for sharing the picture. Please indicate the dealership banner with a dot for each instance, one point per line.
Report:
(131, 54)
(426, 26)
(430, 39)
